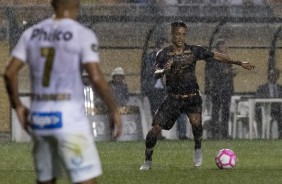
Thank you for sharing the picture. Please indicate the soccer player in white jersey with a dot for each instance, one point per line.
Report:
(56, 50)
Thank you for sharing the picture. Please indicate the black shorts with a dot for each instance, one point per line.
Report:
(172, 107)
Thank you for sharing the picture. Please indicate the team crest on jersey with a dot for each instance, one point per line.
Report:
(94, 47)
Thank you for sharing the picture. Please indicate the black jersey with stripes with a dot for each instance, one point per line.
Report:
(181, 78)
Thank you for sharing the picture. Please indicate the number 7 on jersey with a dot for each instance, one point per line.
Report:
(49, 54)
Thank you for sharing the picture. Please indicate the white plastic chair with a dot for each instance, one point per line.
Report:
(240, 115)
(206, 115)
(268, 124)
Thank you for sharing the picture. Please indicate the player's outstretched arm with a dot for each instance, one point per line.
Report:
(11, 82)
(104, 91)
(226, 59)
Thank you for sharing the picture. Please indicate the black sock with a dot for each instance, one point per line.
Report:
(148, 154)
(151, 141)
(198, 133)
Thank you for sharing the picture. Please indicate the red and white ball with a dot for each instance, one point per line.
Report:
(225, 159)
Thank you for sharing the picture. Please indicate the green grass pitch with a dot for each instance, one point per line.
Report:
(259, 162)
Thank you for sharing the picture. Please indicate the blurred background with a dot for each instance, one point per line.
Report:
(127, 29)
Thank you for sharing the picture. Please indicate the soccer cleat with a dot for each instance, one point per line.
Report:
(146, 165)
(198, 157)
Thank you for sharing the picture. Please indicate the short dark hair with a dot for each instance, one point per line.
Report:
(53, 3)
(178, 23)
(64, 3)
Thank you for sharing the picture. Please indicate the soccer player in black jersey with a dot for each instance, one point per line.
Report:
(178, 62)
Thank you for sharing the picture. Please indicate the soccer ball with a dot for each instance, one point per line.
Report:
(225, 159)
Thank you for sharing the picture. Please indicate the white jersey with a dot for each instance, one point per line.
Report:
(54, 51)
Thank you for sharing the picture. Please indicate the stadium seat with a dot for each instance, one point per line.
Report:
(269, 125)
(206, 117)
(241, 118)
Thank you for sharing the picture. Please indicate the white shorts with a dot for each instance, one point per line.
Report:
(77, 151)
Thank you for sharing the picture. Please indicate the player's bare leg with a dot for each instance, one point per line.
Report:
(91, 181)
(53, 181)
(151, 141)
(197, 128)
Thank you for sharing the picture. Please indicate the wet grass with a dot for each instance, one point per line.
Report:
(260, 162)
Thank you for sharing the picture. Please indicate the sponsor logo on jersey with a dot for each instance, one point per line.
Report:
(46, 120)
(54, 35)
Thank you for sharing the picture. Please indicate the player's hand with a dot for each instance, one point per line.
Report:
(167, 66)
(115, 120)
(160, 72)
(247, 65)
(22, 113)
